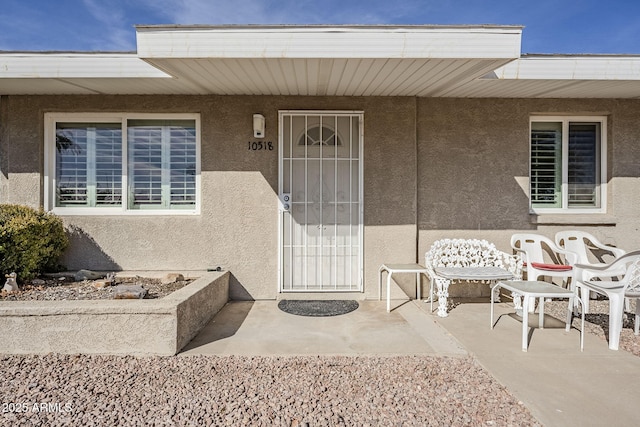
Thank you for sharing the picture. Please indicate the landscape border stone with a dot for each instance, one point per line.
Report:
(136, 327)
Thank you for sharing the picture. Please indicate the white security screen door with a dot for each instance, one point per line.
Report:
(320, 201)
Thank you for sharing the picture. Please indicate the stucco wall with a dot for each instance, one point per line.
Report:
(237, 228)
(433, 168)
(474, 167)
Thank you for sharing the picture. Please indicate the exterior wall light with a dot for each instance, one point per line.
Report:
(258, 126)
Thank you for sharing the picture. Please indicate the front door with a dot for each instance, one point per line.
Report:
(320, 190)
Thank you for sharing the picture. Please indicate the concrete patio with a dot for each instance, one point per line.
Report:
(560, 385)
(260, 328)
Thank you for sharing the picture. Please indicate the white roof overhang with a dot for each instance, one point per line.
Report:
(559, 76)
(273, 60)
(425, 61)
(81, 74)
(328, 60)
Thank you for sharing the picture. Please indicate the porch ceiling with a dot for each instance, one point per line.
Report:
(326, 76)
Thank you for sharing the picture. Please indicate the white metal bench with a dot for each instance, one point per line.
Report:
(463, 260)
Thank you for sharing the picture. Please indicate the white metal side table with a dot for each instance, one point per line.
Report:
(399, 268)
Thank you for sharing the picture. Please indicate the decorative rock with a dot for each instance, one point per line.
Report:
(102, 283)
(87, 275)
(171, 278)
(130, 292)
(38, 282)
(11, 285)
(283, 391)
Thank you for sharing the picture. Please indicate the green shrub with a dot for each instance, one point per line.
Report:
(31, 241)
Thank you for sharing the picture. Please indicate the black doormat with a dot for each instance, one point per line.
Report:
(317, 308)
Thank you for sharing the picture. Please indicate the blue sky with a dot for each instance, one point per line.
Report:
(551, 26)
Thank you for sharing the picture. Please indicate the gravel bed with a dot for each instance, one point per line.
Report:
(66, 289)
(257, 391)
(296, 391)
(597, 321)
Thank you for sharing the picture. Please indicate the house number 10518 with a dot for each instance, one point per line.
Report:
(259, 145)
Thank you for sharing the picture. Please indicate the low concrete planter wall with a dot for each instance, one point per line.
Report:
(139, 327)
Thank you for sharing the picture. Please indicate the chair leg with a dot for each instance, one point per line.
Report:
(443, 294)
(584, 296)
(517, 303)
(431, 295)
(636, 323)
(532, 301)
(616, 302)
(569, 320)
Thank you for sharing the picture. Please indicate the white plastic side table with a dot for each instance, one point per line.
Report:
(391, 269)
(536, 289)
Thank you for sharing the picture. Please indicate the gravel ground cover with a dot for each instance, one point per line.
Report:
(286, 391)
(65, 288)
(61, 390)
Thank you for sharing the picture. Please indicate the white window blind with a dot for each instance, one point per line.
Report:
(89, 164)
(546, 164)
(583, 164)
(162, 164)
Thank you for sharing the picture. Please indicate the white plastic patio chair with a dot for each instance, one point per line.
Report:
(616, 291)
(582, 243)
(543, 258)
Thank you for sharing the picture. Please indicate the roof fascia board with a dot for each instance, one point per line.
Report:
(571, 68)
(329, 42)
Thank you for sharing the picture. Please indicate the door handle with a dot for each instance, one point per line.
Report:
(285, 202)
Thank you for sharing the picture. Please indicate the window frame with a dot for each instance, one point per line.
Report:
(51, 120)
(601, 185)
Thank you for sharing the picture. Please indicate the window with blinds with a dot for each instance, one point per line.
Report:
(126, 164)
(546, 164)
(566, 169)
(583, 164)
(89, 164)
(162, 164)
